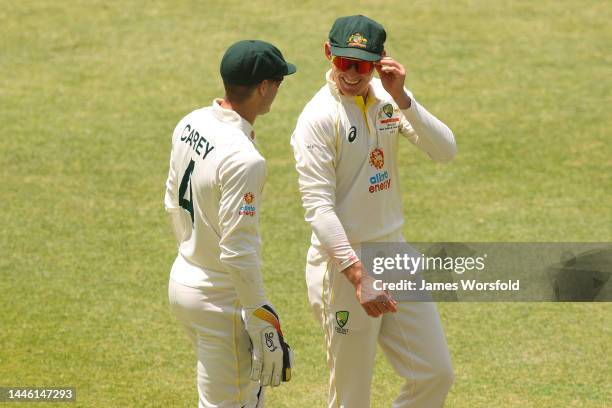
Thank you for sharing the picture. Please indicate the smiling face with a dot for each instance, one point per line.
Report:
(350, 82)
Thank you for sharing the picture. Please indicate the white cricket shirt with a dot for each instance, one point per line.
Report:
(346, 158)
(213, 194)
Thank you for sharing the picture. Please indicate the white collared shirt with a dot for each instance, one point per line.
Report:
(213, 194)
(346, 159)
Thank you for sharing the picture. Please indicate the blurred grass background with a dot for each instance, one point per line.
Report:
(90, 92)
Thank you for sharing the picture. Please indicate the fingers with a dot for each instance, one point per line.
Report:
(275, 369)
(270, 355)
(390, 303)
(371, 309)
(392, 306)
(270, 369)
(270, 374)
(266, 377)
(373, 301)
(389, 62)
(383, 303)
(391, 70)
(389, 66)
(256, 367)
(375, 309)
(370, 298)
(389, 307)
(276, 376)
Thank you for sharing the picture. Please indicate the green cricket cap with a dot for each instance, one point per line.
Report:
(249, 62)
(357, 37)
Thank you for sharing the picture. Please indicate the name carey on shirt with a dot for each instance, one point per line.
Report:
(198, 143)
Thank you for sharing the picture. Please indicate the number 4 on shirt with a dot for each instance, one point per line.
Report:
(187, 204)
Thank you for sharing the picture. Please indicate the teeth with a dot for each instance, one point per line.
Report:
(349, 82)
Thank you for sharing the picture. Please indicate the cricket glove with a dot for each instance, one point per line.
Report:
(271, 357)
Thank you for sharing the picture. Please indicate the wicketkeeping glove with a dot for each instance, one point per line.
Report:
(271, 357)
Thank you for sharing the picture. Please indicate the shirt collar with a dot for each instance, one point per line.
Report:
(232, 118)
(372, 96)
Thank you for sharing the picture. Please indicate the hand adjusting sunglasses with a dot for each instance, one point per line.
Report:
(344, 64)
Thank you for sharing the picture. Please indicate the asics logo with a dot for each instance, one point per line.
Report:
(352, 134)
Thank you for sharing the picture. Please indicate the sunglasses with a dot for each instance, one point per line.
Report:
(344, 64)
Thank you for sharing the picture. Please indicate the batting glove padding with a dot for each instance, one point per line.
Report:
(271, 357)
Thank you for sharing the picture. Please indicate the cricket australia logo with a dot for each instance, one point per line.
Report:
(357, 40)
(388, 110)
(388, 119)
(342, 317)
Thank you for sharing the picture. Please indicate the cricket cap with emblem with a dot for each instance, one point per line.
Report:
(249, 62)
(357, 37)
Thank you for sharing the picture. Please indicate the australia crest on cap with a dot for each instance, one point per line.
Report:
(357, 40)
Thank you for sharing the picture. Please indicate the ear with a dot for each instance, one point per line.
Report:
(262, 88)
(328, 53)
(384, 53)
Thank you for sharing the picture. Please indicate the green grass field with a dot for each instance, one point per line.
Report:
(89, 95)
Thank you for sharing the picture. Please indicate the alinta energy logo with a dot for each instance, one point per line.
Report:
(248, 209)
(377, 158)
(380, 181)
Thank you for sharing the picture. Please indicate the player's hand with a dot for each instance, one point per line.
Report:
(271, 357)
(392, 75)
(374, 302)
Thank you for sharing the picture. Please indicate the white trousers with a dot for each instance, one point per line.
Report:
(211, 319)
(412, 339)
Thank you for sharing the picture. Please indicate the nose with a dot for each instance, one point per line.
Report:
(352, 71)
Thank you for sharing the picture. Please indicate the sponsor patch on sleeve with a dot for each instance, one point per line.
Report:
(247, 208)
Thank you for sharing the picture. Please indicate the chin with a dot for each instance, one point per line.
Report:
(351, 91)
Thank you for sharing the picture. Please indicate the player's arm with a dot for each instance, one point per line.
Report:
(422, 128)
(428, 133)
(313, 143)
(241, 180)
(315, 155)
(180, 221)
